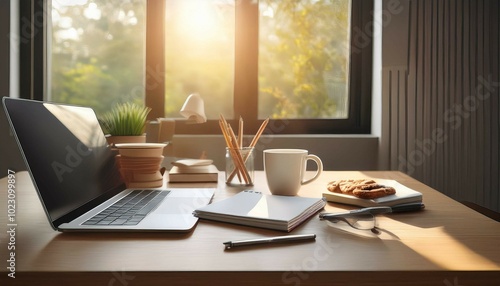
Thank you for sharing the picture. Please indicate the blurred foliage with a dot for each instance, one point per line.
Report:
(98, 56)
(303, 58)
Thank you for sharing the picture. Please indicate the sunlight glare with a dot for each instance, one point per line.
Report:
(68, 34)
(65, 3)
(92, 12)
(450, 254)
(198, 18)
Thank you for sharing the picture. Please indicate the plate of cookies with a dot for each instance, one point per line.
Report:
(369, 192)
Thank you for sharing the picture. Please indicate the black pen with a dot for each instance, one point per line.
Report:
(409, 207)
(285, 238)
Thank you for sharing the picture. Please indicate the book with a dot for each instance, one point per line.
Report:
(403, 195)
(206, 173)
(187, 163)
(255, 209)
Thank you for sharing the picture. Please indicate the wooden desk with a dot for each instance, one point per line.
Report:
(447, 244)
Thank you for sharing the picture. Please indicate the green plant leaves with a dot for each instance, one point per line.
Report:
(126, 119)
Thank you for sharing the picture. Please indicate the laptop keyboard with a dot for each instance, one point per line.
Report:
(129, 210)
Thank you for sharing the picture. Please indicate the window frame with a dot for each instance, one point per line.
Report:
(32, 49)
(246, 78)
(33, 56)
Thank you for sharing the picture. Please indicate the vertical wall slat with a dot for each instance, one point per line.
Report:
(394, 116)
(487, 111)
(495, 102)
(402, 112)
(412, 86)
(481, 144)
(385, 147)
(419, 95)
(440, 91)
(431, 146)
(452, 163)
(428, 114)
(449, 8)
(470, 101)
(467, 133)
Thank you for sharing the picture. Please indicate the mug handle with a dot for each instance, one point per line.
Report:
(318, 172)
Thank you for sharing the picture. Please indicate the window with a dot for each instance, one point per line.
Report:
(199, 55)
(96, 52)
(305, 64)
(291, 61)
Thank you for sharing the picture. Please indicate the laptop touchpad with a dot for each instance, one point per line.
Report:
(177, 205)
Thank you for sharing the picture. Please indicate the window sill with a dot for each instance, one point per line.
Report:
(337, 151)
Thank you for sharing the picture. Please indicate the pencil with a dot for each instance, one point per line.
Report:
(223, 127)
(240, 133)
(259, 133)
(239, 159)
(232, 144)
(252, 145)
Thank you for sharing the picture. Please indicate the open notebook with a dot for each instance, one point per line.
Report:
(260, 210)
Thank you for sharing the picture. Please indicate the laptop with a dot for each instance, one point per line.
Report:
(78, 182)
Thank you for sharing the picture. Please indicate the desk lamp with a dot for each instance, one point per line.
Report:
(162, 130)
(194, 109)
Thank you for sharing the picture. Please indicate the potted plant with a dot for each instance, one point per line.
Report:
(125, 123)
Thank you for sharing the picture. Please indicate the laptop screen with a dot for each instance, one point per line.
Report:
(65, 151)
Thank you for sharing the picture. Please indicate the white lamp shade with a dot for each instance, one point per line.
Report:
(194, 109)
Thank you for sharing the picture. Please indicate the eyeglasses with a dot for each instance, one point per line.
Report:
(357, 221)
(362, 219)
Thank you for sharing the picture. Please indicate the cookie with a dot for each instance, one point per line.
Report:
(363, 188)
(373, 191)
(347, 186)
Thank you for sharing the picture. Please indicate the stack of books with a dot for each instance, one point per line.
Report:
(193, 170)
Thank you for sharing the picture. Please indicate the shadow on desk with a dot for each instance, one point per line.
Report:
(97, 251)
(485, 211)
(120, 236)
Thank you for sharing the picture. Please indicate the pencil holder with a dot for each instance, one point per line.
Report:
(240, 166)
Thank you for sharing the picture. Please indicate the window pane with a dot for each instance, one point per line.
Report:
(199, 52)
(96, 52)
(304, 58)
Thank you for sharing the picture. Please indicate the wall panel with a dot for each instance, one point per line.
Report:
(442, 108)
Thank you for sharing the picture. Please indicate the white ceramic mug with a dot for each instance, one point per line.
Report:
(285, 169)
